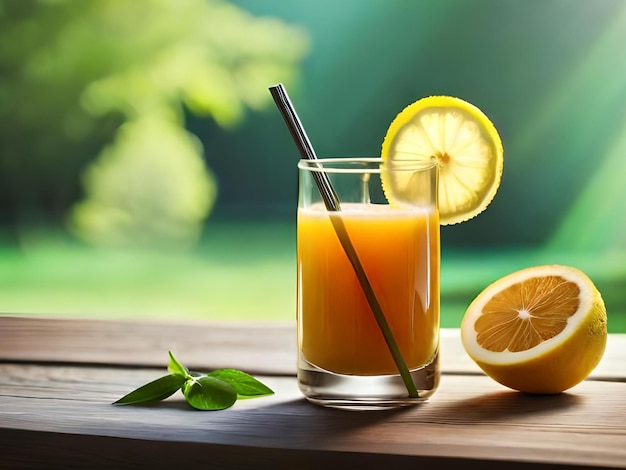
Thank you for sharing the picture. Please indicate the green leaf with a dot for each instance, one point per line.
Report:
(244, 384)
(156, 390)
(209, 393)
(176, 368)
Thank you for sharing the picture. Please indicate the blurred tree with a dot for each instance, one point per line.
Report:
(72, 72)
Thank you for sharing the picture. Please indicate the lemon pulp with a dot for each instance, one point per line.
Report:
(538, 330)
(463, 142)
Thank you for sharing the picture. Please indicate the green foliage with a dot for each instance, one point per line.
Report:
(207, 54)
(217, 390)
(46, 136)
(74, 71)
(150, 187)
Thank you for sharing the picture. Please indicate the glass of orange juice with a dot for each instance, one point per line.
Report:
(368, 284)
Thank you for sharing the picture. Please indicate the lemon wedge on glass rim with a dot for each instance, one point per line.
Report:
(461, 140)
(542, 329)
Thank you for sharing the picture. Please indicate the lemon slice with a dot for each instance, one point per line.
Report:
(538, 330)
(463, 142)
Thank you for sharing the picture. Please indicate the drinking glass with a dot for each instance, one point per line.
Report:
(368, 283)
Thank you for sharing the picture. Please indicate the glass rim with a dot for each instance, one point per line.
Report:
(350, 165)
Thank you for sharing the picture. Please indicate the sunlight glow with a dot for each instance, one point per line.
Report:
(596, 221)
(602, 69)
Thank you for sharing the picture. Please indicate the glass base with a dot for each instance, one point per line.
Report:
(354, 392)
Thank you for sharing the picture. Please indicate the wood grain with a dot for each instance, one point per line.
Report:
(145, 343)
(59, 377)
(206, 345)
(64, 414)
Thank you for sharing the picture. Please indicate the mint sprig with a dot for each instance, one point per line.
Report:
(216, 390)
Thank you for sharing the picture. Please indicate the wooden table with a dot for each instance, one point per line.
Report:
(58, 378)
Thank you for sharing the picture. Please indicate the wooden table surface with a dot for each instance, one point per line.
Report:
(58, 378)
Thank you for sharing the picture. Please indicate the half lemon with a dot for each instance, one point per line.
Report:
(463, 142)
(539, 330)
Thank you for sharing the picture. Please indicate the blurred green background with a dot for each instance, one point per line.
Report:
(145, 172)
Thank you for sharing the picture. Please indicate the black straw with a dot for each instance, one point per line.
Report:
(331, 201)
(332, 205)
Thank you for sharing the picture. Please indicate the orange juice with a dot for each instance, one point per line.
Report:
(399, 251)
